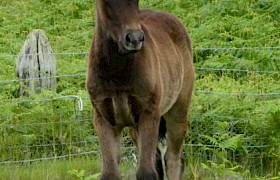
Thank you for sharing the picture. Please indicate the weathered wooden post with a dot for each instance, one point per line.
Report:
(36, 64)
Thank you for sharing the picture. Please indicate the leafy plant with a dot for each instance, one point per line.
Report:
(81, 175)
(235, 107)
(220, 145)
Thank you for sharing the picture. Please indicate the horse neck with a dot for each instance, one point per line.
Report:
(107, 45)
(112, 65)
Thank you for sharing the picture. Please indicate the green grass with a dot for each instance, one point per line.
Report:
(61, 169)
(88, 168)
(49, 170)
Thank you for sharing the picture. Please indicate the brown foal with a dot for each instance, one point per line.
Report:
(140, 75)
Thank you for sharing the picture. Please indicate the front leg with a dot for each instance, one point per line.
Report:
(109, 140)
(147, 143)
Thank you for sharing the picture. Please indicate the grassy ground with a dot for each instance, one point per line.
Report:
(49, 170)
(67, 169)
(89, 169)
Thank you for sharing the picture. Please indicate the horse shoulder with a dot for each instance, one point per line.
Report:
(165, 23)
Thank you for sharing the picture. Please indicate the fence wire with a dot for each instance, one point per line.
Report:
(197, 68)
(195, 49)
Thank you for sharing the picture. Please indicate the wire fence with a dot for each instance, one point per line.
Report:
(59, 126)
(195, 49)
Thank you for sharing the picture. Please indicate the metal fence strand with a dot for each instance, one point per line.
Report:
(56, 54)
(197, 68)
(98, 153)
(272, 94)
(236, 70)
(74, 97)
(51, 77)
(215, 146)
(48, 145)
(195, 49)
(50, 158)
(68, 97)
(235, 48)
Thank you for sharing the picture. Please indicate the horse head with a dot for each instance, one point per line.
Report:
(120, 19)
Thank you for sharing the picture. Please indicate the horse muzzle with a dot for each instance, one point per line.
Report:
(132, 40)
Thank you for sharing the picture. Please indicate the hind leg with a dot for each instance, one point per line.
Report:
(176, 123)
(173, 157)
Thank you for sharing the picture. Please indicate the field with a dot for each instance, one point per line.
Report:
(234, 130)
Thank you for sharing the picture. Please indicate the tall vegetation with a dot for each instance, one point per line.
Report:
(235, 114)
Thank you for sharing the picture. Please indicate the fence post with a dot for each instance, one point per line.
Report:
(36, 64)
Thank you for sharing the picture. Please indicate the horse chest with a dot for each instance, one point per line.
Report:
(122, 111)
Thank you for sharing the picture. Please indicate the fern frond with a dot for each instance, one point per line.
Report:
(231, 143)
(212, 140)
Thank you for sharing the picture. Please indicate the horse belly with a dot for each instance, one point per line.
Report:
(172, 81)
(170, 96)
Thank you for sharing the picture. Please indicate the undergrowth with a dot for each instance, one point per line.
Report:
(235, 115)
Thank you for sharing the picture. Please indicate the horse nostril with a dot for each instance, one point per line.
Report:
(128, 38)
(132, 40)
(141, 38)
(134, 36)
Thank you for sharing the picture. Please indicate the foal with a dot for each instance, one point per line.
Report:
(140, 75)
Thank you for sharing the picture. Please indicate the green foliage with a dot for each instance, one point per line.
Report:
(232, 122)
(46, 119)
(238, 115)
(52, 169)
(220, 166)
(219, 171)
(81, 175)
